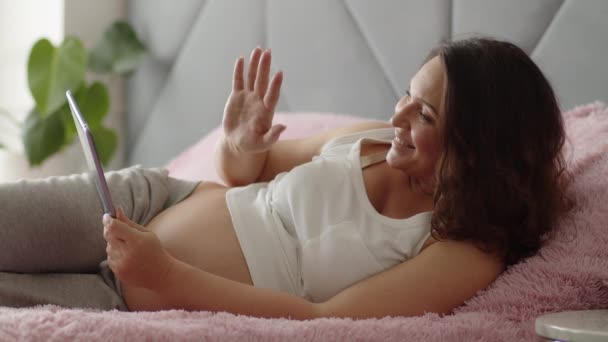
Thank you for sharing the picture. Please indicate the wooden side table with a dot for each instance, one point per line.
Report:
(588, 326)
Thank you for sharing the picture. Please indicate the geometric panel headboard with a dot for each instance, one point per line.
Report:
(343, 56)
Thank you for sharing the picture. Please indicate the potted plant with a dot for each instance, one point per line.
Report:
(51, 70)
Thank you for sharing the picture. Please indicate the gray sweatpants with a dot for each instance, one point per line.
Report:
(52, 249)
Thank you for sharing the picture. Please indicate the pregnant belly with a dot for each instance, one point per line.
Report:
(197, 231)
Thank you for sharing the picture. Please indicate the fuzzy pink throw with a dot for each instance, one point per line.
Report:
(569, 273)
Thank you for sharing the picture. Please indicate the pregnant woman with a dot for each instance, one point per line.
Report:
(371, 220)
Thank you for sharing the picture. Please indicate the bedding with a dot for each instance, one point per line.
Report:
(192, 164)
(569, 273)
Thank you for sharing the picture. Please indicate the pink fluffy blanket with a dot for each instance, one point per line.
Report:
(569, 273)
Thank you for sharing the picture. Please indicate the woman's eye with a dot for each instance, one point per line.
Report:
(408, 96)
(424, 117)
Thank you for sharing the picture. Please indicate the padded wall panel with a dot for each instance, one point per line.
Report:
(192, 100)
(401, 33)
(574, 52)
(323, 54)
(144, 85)
(522, 22)
(164, 25)
(349, 56)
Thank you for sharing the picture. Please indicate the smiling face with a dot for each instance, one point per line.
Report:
(418, 123)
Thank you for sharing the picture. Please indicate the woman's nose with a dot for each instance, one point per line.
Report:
(400, 116)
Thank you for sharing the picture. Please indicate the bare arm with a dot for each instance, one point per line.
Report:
(237, 168)
(438, 280)
(249, 150)
(247, 123)
(442, 277)
(190, 288)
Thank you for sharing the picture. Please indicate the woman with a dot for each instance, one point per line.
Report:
(369, 220)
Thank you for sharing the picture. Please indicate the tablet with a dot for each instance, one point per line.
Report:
(90, 153)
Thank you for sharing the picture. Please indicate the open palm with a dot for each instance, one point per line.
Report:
(250, 107)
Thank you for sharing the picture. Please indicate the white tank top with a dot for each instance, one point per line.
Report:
(323, 205)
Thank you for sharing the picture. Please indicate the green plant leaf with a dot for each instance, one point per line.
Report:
(42, 136)
(105, 142)
(118, 50)
(51, 71)
(68, 120)
(94, 104)
(68, 124)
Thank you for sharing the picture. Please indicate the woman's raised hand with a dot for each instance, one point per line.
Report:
(250, 107)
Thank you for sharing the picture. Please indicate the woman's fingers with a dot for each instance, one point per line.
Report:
(272, 96)
(110, 237)
(258, 76)
(238, 83)
(273, 134)
(116, 230)
(109, 231)
(114, 250)
(254, 60)
(120, 214)
(261, 82)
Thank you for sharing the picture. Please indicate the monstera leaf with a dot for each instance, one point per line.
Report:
(51, 71)
(105, 141)
(94, 104)
(42, 136)
(118, 51)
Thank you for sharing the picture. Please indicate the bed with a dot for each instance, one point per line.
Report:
(349, 60)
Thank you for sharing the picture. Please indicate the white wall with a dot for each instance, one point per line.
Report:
(87, 19)
(22, 22)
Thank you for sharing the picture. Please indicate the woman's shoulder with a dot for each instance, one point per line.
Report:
(350, 135)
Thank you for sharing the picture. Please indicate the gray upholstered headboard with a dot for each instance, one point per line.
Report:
(344, 56)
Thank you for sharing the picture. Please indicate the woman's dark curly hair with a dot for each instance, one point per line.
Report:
(501, 176)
